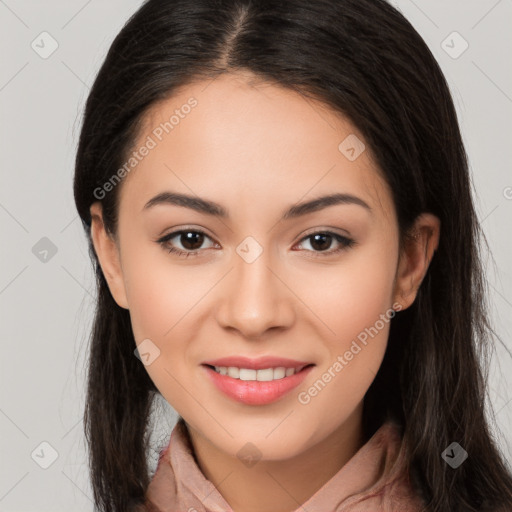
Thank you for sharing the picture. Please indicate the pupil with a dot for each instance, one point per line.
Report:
(323, 245)
(191, 238)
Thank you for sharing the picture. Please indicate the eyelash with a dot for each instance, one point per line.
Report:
(346, 243)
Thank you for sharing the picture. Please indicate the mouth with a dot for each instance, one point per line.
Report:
(257, 387)
(259, 375)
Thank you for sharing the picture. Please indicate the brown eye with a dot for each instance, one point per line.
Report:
(321, 241)
(191, 242)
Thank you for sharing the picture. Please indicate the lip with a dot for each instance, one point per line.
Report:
(252, 392)
(259, 363)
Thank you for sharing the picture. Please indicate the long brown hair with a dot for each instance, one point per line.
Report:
(363, 59)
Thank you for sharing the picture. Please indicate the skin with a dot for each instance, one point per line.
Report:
(257, 149)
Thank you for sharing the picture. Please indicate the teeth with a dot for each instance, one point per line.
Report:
(266, 374)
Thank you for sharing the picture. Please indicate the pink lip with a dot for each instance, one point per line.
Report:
(259, 363)
(252, 392)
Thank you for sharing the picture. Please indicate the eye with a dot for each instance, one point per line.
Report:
(321, 240)
(190, 239)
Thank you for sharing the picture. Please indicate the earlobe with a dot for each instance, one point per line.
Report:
(416, 257)
(107, 252)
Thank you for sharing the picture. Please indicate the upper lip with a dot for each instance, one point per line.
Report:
(259, 363)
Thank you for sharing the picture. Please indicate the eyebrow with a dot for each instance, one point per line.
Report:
(216, 210)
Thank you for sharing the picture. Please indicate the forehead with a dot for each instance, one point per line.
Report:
(234, 138)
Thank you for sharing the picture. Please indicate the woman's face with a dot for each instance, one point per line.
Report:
(259, 283)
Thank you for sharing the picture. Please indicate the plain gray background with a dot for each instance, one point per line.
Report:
(47, 298)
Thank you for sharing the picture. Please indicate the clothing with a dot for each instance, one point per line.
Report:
(372, 480)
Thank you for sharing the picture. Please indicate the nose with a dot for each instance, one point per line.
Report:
(256, 298)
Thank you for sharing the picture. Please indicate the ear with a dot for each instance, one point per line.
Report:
(416, 257)
(107, 250)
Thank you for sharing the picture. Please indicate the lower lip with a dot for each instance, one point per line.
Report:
(253, 392)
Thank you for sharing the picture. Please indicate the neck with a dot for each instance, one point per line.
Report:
(283, 485)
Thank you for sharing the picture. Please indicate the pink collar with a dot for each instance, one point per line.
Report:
(374, 479)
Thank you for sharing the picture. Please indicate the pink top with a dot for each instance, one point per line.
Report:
(372, 480)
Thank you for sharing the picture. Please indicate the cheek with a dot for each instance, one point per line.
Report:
(357, 308)
(161, 292)
(353, 295)
(163, 298)
(355, 303)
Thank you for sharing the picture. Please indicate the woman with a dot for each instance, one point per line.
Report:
(278, 207)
